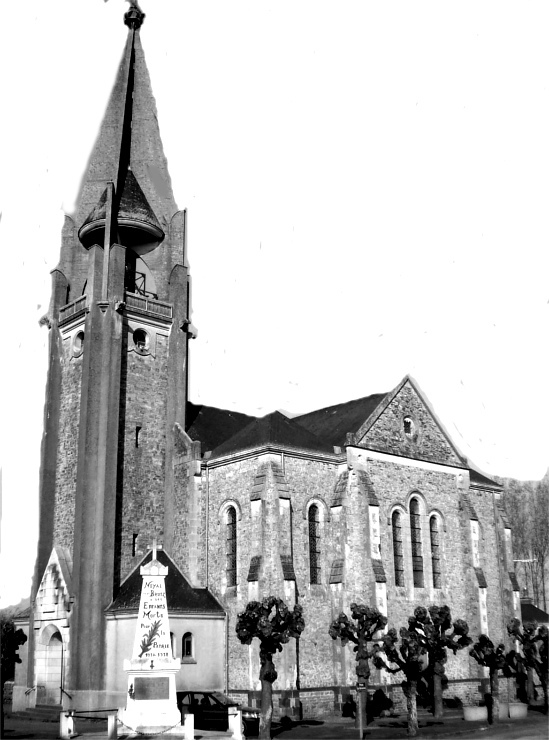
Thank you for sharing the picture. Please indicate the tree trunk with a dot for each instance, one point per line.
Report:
(361, 720)
(411, 704)
(530, 686)
(266, 715)
(543, 680)
(494, 691)
(438, 710)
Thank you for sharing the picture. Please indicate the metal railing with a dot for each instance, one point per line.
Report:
(141, 303)
(71, 309)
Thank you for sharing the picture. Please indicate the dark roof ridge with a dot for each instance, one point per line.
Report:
(272, 429)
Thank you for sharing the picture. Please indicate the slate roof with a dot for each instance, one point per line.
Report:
(379, 571)
(181, 596)
(513, 579)
(282, 488)
(366, 488)
(287, 567)
(503, 513)
(332, 423)
(481, 578)
(480, 480)
(255, 565)
(340, 488)
(274, 429)
(212, 426)
(531, 613)
(336, 573)
(467, 506)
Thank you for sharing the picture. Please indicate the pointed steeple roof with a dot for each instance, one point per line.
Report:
(129, 138)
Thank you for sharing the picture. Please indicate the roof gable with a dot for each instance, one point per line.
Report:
(181, 596)
(423, 438)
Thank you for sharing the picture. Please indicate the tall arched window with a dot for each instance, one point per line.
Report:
(435, 552)
(187, 647)
(415, 532)
(397, 549)
(231, 546)
(314, 543)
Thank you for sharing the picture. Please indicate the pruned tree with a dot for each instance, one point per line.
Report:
(11, 640)
(367, 621)
(436, 625)
(489, 656)
(534, 646)
(273, 624)
(411, 657)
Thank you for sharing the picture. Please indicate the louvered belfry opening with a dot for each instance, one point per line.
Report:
(314, 543)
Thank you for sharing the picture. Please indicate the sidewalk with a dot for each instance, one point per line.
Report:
(452, 725)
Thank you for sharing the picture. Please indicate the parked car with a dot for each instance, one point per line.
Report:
(210, 709)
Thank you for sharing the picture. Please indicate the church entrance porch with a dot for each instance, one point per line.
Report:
(49, 666)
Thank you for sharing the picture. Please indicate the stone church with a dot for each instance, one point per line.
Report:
(369, 500)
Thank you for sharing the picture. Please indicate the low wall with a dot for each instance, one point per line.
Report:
(327, 701)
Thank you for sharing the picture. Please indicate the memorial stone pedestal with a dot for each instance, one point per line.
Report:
(152, 702)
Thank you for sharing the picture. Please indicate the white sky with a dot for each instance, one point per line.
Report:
(367, 187)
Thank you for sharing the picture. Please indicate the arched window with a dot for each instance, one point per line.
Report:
(435, 552)
(314, 543)
(397, 549)
(415, 532)
(231, 546)
(187, 647)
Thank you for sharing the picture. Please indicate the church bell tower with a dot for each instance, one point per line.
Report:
(117, 382)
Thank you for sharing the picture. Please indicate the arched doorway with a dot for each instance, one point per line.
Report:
(49, 666)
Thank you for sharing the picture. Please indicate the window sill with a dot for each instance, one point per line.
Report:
(188, 661)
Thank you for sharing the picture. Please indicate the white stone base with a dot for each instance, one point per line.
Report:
(157, 717)
(21, 700)
(151, 708)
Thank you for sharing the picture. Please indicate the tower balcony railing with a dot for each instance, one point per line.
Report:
(72, 309)
(150, 305)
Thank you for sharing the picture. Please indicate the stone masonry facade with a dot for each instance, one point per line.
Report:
(356, 493)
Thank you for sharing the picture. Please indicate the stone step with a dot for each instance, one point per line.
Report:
(42, 712)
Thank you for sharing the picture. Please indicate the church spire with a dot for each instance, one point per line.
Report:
(128, 152)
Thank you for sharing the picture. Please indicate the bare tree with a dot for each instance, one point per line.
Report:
(527, 504)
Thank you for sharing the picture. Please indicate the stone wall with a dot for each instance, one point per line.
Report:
(67, 453)
(143, 400)
(252, 485)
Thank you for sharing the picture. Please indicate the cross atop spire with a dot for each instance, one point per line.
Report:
(134, 17)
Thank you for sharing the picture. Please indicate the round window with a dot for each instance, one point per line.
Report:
(78, 343)
(141, 340)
